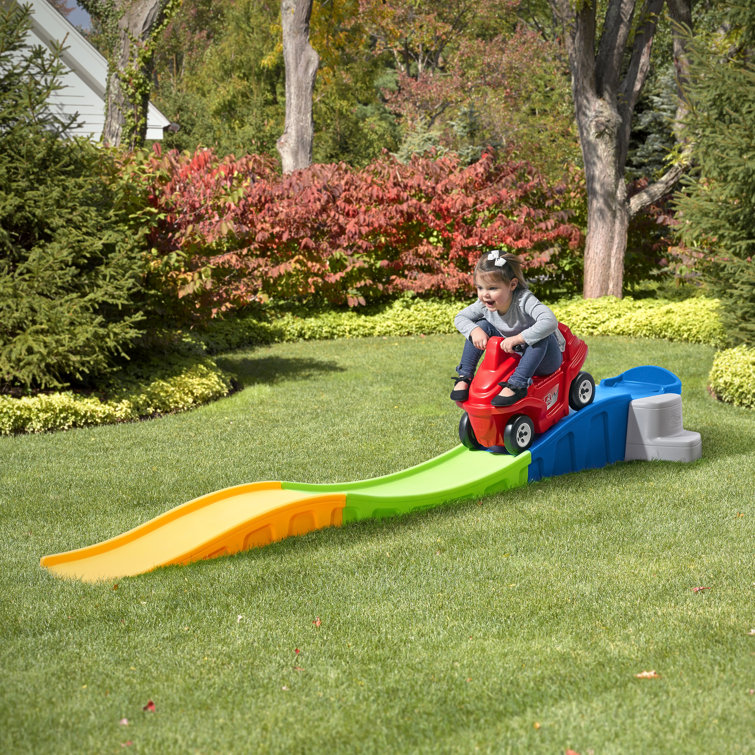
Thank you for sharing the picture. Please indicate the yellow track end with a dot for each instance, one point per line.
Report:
(217, 524)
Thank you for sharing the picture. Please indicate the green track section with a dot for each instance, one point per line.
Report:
(458, 474)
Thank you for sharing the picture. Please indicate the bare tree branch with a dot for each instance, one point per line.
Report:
(616, 28)
(658, 189)
(584, 47)
(637, 72)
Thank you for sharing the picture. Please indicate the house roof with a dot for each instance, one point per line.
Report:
(85, 77)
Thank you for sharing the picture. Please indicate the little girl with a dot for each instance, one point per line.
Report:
(505, 307)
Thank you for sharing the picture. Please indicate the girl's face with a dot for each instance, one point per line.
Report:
(494, 293)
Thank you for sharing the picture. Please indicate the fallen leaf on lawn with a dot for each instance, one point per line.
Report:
(571, 752)
(126, 744)
(700, 589)
(648, 675)
(123, 722)
(536, 725)
(317, 622)
(298, 668)
(150, 707)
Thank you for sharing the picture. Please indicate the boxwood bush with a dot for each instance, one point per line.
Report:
(192, 378)
(692, 320)
(177, 385)
(732, 377)
(407, 315)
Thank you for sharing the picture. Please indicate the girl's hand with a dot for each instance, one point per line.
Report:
(509, 343)
(479, 337)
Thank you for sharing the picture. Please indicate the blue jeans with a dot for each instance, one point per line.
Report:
(541, 358)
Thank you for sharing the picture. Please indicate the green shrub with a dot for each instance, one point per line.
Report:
(188, 379)
(178, 385)
(403, 317)
(69, 271)
(55, 411)
(732, 377)
(407, 315)
(587, 316)
(693, 320)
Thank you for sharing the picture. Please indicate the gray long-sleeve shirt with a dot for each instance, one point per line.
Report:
(526, 315)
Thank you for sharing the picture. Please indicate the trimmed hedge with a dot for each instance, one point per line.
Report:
(405, 316)
(691, 320)
(193, 379)
(732, 377)
(179, 386)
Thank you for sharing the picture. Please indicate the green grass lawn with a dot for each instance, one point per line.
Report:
(516, 623)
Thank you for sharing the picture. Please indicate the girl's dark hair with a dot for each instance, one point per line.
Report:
(506, 272)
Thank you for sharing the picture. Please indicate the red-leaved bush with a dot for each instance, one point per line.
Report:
(225, 232)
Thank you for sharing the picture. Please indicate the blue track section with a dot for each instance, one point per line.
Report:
(596, 435)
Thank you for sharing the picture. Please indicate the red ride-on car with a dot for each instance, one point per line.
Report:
(547, 401)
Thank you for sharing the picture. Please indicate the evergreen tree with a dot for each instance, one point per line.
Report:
(717, 205)
(68, 269)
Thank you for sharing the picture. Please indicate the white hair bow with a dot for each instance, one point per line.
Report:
(495, 255)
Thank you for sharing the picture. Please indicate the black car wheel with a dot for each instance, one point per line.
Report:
(518, 434)
(466, 434)
(581, 391)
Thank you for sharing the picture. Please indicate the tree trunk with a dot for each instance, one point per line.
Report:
(605, 94)
(301, 61)
(130, 83)
(599, 124)
(131, 27)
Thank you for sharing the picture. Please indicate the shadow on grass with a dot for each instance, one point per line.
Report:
(273, 369)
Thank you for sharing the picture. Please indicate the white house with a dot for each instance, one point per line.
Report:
(85, 77)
